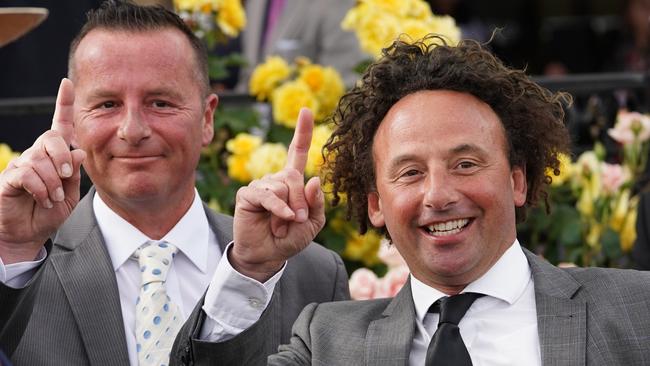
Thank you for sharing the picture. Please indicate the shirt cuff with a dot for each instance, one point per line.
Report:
(234, 302)
(17, 275)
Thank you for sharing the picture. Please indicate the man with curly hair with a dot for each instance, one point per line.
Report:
(442, 149)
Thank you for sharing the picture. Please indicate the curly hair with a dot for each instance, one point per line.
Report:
(532, 116)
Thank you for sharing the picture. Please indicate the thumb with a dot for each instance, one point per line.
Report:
(316, 202)
(71, 185)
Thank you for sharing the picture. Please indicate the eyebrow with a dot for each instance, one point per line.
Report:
(467, 148)
(460, 149)
(105, 93)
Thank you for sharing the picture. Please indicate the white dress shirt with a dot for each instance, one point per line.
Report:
(499, 328)
(232, 304)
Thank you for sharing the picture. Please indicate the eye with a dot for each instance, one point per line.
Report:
(160, 104)
(466, 165)
(108, 105)
(409, 174)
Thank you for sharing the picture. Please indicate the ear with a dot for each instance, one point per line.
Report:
(375, 214)
(519, 185)
(211, 103)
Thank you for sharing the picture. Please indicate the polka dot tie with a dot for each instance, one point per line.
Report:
(157, 319)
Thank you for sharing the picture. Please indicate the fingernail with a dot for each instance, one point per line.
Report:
(66, 170)
(301, 215)
(288, 212)
(59, 195)
(48, 204)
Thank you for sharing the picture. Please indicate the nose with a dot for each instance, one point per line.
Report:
(440, 191)
(134, 127)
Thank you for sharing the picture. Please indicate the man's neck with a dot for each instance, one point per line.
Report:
(153, 218)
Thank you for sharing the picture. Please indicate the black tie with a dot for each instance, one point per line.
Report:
(447, 347)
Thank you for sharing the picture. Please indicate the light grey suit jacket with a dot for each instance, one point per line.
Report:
(77, 318)
(310, 28)
(585, 316)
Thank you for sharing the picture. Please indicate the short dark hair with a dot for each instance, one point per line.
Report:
(122, 15)
(532, 116)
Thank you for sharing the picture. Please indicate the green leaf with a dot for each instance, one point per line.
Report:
(236, 119)
(281, 134)
(611, 243)
(361, 67)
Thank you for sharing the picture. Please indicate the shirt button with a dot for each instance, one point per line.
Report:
(255, 303)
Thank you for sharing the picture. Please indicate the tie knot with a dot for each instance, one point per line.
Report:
(453, 308)
(154, 260)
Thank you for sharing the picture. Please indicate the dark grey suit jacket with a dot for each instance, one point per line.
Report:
(77, 319)
(585, 316)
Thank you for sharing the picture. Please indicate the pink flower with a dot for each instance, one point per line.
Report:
(392, 282)
(630, 126)
(363, 283)
(389, 255)
(613, 177)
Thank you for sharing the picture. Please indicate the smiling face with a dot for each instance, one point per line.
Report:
(141, 116)
(444, 187)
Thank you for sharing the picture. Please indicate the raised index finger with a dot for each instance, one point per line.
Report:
(62, 121)
(299, 148)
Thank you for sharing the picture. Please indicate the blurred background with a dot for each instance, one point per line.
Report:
(597, 50)
(547, 37)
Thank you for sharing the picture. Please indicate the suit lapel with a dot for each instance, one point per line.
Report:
(561, 319)
(221, 225)
(388, 341)
(85, 271)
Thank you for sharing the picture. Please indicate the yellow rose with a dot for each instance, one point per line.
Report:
(267, 159)
(312, 75)
(6, 155)
(587, 174)
(363, 248)
(267, 76)
(620, 211)
(418, 9)
(330, 94)
(243, 144)
(327, 85)
(415, 29)
(397, 7)
(375, 28)
(593, 237)
(566, 169)
(314, 156)
(328, 190)
(446, 27)
(204, 6)
(628, 234)
(231, 17)
(585, 204)
(238, 168)
(289, 98)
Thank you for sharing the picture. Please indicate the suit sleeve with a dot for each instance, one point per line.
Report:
(315, 275)
(16, 306)
(298, 351)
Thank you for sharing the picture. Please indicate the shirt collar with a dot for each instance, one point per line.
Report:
(506, 280)
(190, 235)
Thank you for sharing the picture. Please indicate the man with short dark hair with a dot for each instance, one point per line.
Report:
(443, 148)
(113, 277)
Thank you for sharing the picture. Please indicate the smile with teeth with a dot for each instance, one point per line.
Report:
(447, 228)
